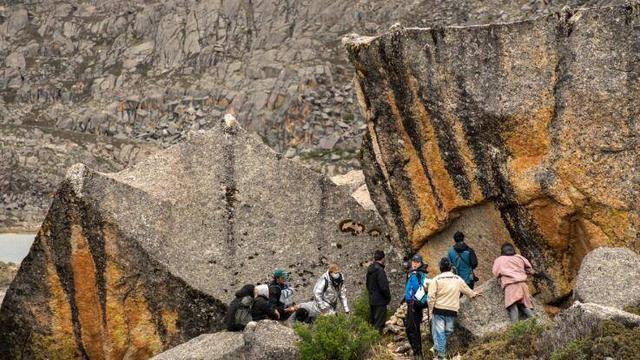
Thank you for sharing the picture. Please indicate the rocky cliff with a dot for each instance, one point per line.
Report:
(106, 83)
(129, 264)
(524, 132)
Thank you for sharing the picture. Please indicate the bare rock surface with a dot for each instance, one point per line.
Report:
(130, 73)
(609, 277)
(536, 118)
(264, 340)
(486, 314)
(222, 345)
(139, 261)
(271, 340)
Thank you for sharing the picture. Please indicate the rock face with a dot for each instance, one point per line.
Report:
(581, 321)
(270, 340)
(97, 79)
(486, 314)
(535, 120)
(222, 345)
(265, 341)
(135, 262)
(609, 277)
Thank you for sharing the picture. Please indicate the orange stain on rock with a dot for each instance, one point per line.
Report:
(86, 294)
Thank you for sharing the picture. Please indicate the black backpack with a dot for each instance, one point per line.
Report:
(239, 313)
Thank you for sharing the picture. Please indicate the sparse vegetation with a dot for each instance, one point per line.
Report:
(337, 336)
(614, 341)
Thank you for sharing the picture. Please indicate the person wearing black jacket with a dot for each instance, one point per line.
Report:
(262, 307)
(244, 298)
(378, 289)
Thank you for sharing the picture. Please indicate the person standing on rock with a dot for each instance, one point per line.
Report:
(329, 289)
(281, 294)
(464, 259)
(378, 290)
(511, 271)
(262, 308)
(444, 302)
(414, 295)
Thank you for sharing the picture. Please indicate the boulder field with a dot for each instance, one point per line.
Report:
(521, 132)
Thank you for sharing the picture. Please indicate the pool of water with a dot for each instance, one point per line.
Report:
(14, 247)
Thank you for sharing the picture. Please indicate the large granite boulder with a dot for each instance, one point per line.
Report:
(610, 277)
(222, 345)
(271, 340)
(136, 262)
(579, 322)
(486, 314)
(264, 340)
(534, 120)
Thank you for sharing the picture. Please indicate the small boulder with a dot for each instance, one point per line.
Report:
(486, 314)
(218, 346)
(271, 340)
(609, 277)
(581, 321)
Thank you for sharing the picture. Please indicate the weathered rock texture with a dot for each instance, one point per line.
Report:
(222, 345)
(102, 80)
(486, 314)
(132, 263)
(580, 322)
(609, 277)
(536, 119)
(264, 340)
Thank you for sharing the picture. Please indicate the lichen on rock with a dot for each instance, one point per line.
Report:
(536, 118)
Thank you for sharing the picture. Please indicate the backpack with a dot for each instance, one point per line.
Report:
(421, 297)
(239, 313)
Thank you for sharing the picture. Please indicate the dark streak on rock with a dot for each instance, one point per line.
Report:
(230, 191)
(375, 180)
(405, 102)
(65, 207)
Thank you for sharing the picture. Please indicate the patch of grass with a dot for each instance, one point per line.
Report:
(614, 341)
(360, 307)
(338, 336)
(517, 342)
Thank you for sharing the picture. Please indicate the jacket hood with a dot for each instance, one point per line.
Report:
(374, 267)
(262, 290)
(246, 290)
(422, 269)
(460, 247)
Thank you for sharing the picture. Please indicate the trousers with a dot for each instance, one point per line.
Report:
(412, 326)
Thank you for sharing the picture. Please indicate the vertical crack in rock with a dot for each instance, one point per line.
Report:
(230, 190)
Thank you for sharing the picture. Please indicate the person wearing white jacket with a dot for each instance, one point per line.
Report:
(329, 289)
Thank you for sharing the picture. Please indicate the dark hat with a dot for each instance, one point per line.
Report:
(445, 264)
(417, 258)
(378, 255)
(458, 236)
(280, 273)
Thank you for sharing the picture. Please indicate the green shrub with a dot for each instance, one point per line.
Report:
(360, 307)
(523, 332)
(339, 336)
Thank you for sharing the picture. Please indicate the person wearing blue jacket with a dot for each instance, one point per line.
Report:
(464, 259)
(416, 283)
